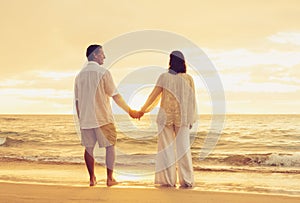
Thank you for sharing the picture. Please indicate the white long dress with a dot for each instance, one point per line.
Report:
(177, 113)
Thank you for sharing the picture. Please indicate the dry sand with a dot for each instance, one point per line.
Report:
(11, 192)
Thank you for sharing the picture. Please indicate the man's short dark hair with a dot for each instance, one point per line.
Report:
(94, 48)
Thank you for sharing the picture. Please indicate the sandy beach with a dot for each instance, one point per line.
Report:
(45, 164)
(50, 193)
(32, 182)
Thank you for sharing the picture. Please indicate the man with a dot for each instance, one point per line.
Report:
(93, 87)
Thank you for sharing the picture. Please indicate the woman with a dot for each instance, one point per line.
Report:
(176, 115)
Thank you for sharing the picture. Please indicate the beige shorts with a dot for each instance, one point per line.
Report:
(105, 136)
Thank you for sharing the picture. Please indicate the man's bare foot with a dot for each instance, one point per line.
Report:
(93, 182)
(111, 182)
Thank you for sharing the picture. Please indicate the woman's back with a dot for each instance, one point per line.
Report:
(177, 96)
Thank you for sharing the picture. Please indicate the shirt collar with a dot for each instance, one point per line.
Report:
(93, 62)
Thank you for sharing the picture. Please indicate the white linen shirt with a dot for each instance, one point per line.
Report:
(93, 87)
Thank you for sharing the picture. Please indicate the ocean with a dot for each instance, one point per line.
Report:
(254, 153)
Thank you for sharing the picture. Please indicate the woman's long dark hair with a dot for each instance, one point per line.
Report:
(177, 63)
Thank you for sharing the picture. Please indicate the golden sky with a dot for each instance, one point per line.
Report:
(254, 45)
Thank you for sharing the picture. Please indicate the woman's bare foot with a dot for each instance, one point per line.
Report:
(111, 182)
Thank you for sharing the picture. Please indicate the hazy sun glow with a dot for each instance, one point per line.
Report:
(257, 56)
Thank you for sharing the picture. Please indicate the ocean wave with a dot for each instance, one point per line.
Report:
(120, 162)
(249, 170)
(269, 159)
(13, 142)
(43, 160)
(9, 133)
(6, 141)
(143, 164)
(283, 160)
(134, 141)
(233, 163)
(9, 119)
(137, 134)
(2, 140)
(137, 154)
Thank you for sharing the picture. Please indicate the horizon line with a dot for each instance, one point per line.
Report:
(68, 114)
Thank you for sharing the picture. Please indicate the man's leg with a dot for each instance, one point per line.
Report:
(110, 162)
(90, 164)
(88, 139)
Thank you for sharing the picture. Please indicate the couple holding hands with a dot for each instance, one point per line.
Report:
(176, 92)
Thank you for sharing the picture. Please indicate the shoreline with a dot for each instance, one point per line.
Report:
(20, 192)
(76, 175)
(133, 185)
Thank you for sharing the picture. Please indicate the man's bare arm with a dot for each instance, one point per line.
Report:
(121, 102)
(77, 109)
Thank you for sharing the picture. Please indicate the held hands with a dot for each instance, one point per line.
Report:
(135, 114)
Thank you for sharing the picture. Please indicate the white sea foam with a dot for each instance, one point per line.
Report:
(292, 160)
(2, 140)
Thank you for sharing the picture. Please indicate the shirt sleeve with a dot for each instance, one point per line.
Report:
(76, 90)
(193, 100)
(192, 84)
(109, 85)
(160, 81)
